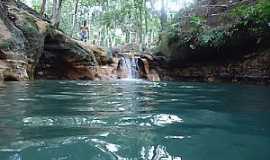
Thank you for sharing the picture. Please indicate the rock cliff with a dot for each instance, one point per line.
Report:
(30, 48)
(213, 44)
(253, 68)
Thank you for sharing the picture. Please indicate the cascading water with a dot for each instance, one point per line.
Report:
(131, 66)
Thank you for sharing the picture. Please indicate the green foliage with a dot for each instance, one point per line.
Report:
(37, 7)
(258, 13)
(197, 24)
(213, 38)
(5, 45)
(196, 21)
(111, 21)
(249, 23)
(29, 25)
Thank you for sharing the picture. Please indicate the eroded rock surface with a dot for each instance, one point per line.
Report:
(31, 49)
(253, 68)
(63, 58)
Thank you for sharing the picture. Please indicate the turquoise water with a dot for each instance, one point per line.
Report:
(81, 120)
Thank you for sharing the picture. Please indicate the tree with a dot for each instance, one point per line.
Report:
(42, 8)
(56, 13)
(113, 22)
(163, 15)
(75, 17)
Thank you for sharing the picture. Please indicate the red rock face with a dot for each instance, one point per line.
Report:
(59, 68)
(121, 70)
(106, 73)
(65, 59)
(144, 70)
(13, 70)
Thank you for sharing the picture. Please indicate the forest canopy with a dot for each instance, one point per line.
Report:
(152, 23)
(113, 22)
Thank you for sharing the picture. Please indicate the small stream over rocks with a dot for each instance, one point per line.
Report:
(131, 65)
(127, 66)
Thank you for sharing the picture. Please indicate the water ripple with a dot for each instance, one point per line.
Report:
(82, 120)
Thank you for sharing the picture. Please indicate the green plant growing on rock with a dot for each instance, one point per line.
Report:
(197, 24)
(5, 45)
(29, 25)
(213, 38)
(248, 14)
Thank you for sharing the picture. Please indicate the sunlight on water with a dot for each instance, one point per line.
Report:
(126, 120)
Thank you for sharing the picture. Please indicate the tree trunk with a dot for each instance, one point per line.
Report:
(141, 24)
(56, 15)
(146, 24)
(74, 22)
(127, 37)
(163, 16)
(42, 9)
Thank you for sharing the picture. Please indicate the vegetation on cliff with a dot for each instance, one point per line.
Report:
(244, 28)
(197, 33)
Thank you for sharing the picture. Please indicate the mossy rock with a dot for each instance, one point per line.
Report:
(5, 45)
(29, 25)
(1, 77)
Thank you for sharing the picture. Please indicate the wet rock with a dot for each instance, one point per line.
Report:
(64, 58)
(13, 70)
(106, 73)
(10, 77)
(153, 75)
(144, 68)
(122, 70)
(100, 54)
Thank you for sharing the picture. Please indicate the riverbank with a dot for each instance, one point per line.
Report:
(228, 45)
(251, 69)
(30, 48)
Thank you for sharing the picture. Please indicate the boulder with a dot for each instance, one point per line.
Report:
(30, 48)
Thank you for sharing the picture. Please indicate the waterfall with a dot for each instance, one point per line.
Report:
(131, 66)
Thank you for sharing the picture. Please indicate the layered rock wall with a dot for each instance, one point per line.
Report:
(253, 68)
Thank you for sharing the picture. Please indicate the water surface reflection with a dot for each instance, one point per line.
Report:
(81, 120)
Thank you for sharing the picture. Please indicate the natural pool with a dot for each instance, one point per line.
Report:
(83, 120)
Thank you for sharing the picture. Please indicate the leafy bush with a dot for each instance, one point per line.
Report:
(248, 30)
(258, 13)
(213, 38)
(197, 24)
